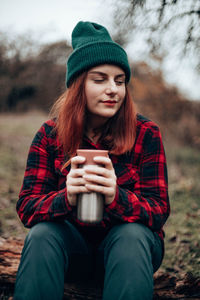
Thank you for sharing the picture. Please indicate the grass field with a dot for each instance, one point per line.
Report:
(182, 240)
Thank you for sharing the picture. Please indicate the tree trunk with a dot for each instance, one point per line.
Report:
(166, 286)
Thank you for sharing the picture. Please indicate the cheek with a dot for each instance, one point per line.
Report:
(90, 92)
(123, 93)
(90, 96)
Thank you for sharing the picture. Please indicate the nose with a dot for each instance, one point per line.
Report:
(111, 87)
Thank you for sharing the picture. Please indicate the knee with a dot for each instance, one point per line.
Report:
(129, 242)
(41, 233)
(132, 233)
(44, 240)
(129, 245)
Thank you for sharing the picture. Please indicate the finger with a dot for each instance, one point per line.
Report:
(99, 180)
(76, 181)
(75, 173)
(73, 190)
(106, 161)
(101, 171)
(76, 161)
(107, 191)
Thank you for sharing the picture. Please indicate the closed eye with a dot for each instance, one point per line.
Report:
(99, 80)
(120, 79)
(120, 82)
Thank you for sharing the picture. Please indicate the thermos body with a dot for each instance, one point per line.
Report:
(90, 206)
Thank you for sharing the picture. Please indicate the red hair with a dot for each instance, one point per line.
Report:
(118, 134)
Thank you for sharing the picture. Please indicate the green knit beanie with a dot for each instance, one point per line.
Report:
(93, 46)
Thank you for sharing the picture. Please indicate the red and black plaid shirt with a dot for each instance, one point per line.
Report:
(142, 189)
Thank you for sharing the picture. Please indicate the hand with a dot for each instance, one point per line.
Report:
(75, 183)
(101, 178)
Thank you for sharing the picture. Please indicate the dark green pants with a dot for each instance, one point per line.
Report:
(53, 252)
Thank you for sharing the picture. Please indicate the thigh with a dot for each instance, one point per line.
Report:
(63, 233)
(130, 254)
(51, 250)
(65, 241)
(126, 237)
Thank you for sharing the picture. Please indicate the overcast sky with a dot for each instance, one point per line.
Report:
(55, 18)
(51, 20)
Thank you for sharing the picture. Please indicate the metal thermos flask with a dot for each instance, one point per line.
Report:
(90, 206)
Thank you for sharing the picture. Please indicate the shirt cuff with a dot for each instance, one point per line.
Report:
(114, 202)
(68, 205)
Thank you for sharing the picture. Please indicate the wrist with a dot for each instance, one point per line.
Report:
(72, 200)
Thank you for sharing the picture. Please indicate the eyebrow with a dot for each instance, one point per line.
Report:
(103, 74)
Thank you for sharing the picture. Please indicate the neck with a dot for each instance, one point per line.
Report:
(93, 123)
(92, 136)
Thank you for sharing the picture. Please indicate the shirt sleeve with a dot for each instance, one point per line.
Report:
(147, 202)
(39, 198)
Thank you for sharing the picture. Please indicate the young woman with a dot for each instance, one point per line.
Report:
(95, 112)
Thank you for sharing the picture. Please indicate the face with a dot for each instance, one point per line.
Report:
(105, 91)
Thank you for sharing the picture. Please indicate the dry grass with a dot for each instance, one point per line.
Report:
(16, 134)
(182, 229)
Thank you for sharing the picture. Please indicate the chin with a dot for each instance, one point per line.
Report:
(108, 114)
(101, 117)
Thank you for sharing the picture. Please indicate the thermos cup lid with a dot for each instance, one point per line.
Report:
(89, 154)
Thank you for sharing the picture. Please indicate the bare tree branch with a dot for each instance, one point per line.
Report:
(179, 16)
(158, 23)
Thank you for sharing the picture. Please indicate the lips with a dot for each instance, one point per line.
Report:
(110, 101)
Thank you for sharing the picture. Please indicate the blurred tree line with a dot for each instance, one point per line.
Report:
(32, 76)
